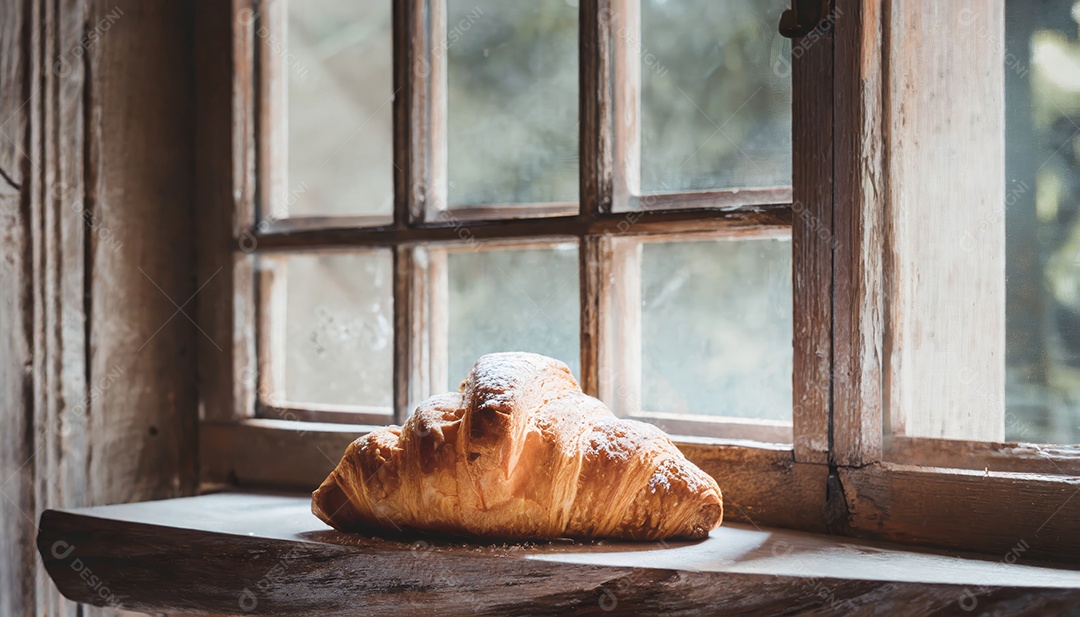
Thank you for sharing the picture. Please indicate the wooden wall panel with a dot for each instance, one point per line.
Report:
(143, 426)
(14, 70)
(97, 382)
(17, 525)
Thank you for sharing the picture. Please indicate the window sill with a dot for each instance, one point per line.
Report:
(267, 554)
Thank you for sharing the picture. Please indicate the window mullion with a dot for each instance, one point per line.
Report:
(626, 63)
(620, 316)
(594, 109)
(426, 78)
(272, 351)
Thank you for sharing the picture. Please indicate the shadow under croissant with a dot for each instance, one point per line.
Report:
(408, 540)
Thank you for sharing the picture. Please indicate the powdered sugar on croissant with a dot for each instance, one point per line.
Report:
(520, 453)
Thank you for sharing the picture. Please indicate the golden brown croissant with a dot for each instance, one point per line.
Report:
(521, 453)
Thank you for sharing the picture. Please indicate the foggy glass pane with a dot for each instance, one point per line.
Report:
(1042, 221)
(513, 300)
(716, 328)
(338, 61)
(513, 106)
(715, 95)
(339, 326)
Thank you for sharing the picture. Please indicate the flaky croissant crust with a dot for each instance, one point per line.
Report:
(520, 453)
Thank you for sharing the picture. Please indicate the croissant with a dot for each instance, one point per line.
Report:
(520, 453)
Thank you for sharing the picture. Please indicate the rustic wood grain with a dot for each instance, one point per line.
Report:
(594, 106)
(272, 346)
(859, 187)
(724, 198)
(271, 113)
(142, 427)
(761, 483)
(945, 270)
(16, 93)
(625, 18)
(16, 405)
(595, 177)
(425, 320)
(224, 193)
(316, 412)
(237, 453)
(721, 427)
(269, 555)
(495, 212)
(813, 242)
(991, 511)
(437, 178)
(591, 284)
(746, 222)
(94, 188)
(422, 87)
(407, 356)
(64, 224)
(620, 325)
(406, 201)
(994, 456)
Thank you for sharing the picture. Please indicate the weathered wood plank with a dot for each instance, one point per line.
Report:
(16, 407)
(14, 96)
(762, 484)
(945, 348)
(595, 106)
(64, 225)
(982, 455)
(993, 512)
(620, 325)
(859, 187)
(625, 18)
(721, 427)
(268, 555)
(595, 145)
(812, 242)
(224, 205)
(419, 81)
(724, 198)
(236, 453)
(591, 286)
(404, 308)
(272, 311)
(142, 426)
(406, 200)
(742, 222)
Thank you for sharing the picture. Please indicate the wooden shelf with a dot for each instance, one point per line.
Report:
(267, 554)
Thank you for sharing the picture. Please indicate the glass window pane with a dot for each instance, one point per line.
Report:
(513, 300)
(1042, 221)
(715, 95)
(716, 328)
(512, 97)
(339, 329)
(338, 67)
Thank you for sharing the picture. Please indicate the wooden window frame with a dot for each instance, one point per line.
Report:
(841, 474)
(424, 229)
